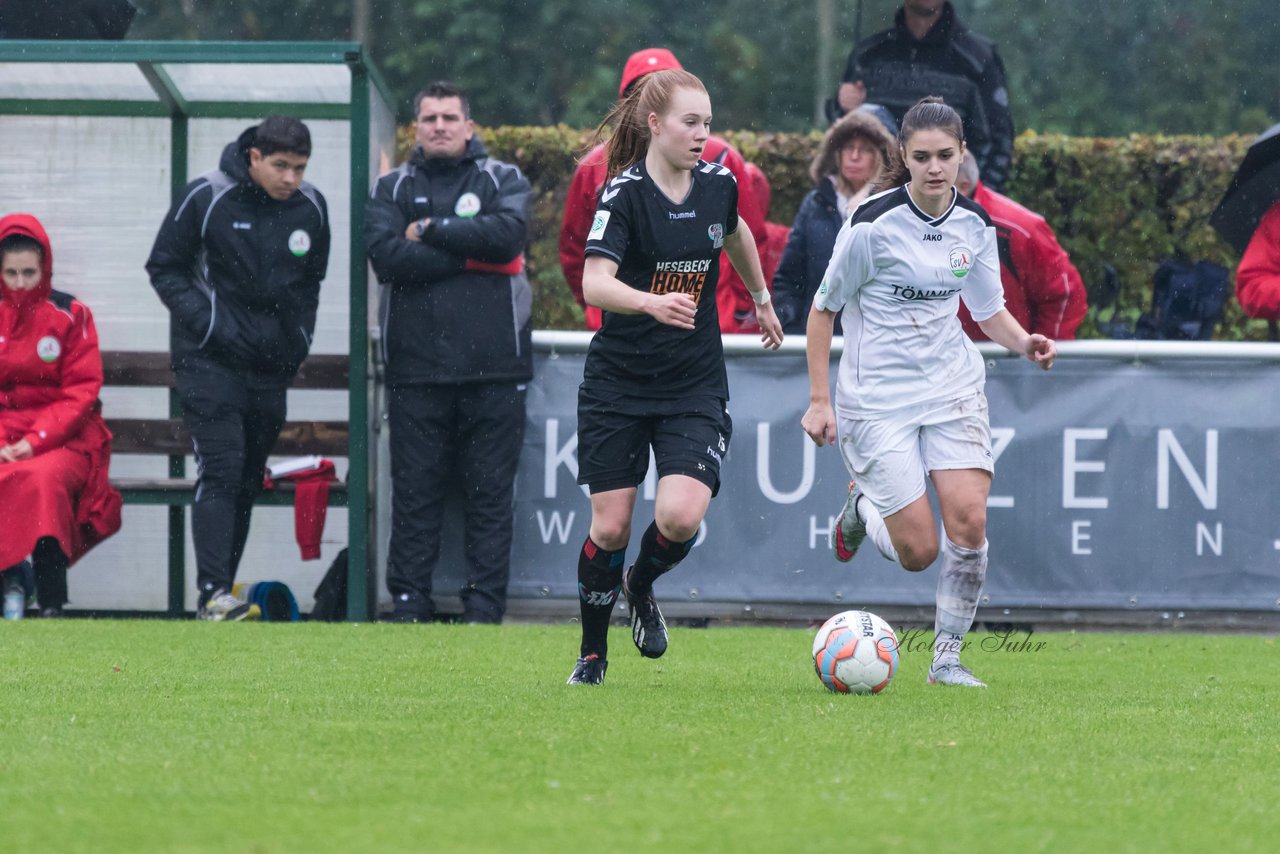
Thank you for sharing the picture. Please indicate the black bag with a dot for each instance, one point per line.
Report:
(331, 595)
(1186, 301)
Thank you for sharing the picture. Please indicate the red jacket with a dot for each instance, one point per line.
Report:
(737, 310)
(1258, 276)
(1042, 288)
(50, 376)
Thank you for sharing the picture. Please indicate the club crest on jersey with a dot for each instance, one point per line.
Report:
(961, 260)
(468, 205)
(716, 233)
(48, 349)
(598, 225)
(299, 243)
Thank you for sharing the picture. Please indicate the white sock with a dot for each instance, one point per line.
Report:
(959, 585)
(876, 529)
(946, 647)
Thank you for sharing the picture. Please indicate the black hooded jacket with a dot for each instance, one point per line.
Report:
(960, 66)
(445, 321)
(240, 272)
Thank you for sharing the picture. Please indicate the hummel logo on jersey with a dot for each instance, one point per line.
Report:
(910, 293)
(933, 238)
(682, 215)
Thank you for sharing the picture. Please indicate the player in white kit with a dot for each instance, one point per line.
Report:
(909, 392)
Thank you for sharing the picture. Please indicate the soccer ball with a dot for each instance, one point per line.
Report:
(855, 652)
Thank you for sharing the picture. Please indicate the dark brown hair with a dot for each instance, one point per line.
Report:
(927, 114)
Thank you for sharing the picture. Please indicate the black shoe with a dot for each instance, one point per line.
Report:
(648, 629)
(50, 613)
(589, 671)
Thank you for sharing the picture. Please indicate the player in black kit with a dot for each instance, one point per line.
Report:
(655, 375)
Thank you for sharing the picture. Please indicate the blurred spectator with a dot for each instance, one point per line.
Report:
(776, 233)
(853, 96)
(737, 311)
(1042, 288)
(852, 153)
(928, 51)
(55, 500)
(1258, 277)
(65, 19)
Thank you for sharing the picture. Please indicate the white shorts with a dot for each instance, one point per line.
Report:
(891, 456)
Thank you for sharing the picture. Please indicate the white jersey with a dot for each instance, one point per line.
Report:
(897, 273)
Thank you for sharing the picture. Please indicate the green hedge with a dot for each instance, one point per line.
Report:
(1127, 202)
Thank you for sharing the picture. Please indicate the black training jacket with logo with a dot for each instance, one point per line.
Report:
(442, 322)
(240, 272)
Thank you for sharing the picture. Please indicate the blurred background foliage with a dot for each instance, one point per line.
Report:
(1133, 115)
(1085, 67)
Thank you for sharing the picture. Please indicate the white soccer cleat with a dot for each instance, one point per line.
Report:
(954, 673)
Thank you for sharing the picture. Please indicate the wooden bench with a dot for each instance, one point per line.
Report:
(168, 437)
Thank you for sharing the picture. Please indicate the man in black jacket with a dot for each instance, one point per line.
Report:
(928, 51)
(446, 232)
(238, 262)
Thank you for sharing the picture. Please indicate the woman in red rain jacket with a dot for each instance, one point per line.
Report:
(55, 500)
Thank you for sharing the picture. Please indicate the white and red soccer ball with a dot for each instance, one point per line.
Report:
(855, 652)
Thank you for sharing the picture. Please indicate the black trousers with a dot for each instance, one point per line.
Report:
(453, 437)
(234, 421)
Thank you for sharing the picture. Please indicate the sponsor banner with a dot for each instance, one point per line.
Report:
(1120, 483)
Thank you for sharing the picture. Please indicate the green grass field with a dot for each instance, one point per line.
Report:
(128, 735)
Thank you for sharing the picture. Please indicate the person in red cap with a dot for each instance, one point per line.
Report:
(55, 500)
(737, 311)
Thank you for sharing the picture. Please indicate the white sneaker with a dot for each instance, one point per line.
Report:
(224, 607)
(953, 673)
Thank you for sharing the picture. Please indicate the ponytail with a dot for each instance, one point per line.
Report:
(629, 117)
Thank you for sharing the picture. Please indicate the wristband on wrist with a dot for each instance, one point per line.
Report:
(760, 297)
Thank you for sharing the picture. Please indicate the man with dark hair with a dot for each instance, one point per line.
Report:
(238, 262)
(446, 234)
(928, 51)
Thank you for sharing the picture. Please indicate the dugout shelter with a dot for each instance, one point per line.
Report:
(98, 138)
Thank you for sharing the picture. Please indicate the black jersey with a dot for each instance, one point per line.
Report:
(660, 247)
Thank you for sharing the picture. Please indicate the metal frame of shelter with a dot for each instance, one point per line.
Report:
(152, 59)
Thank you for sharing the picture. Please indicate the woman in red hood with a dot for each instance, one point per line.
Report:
(55, 500)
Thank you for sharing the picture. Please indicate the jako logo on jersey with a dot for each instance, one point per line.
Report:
(598, 225)
(468, 205)
(933, 238)
(48, 349)
(961, 260)
(716, 233)
(299, 243)
(682, 215)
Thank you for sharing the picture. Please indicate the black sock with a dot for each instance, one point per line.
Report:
(657, 555)
(599, 580)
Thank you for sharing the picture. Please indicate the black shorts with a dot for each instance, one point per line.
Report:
(615, 432)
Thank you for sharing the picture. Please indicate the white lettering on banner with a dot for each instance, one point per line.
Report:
(825, 533)
(555, 526)
(1206, 490)
(1071, 466)
(566, 456)
(762, 467)
(1203, 536)
(1000, 439)
(1080, 534)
